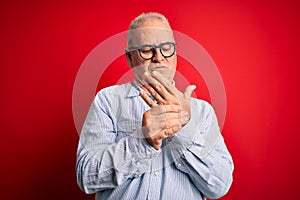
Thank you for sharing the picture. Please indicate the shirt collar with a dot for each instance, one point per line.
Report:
(134, 90)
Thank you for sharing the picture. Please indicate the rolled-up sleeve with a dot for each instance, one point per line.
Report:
(205, 157)
(103, 162)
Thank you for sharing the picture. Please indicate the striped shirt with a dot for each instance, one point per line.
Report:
(116, 162)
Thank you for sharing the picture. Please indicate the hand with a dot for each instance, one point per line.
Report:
(160, 122)
(166, 93)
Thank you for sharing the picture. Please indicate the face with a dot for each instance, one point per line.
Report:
(151, 32)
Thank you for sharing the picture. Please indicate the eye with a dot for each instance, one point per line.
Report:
(146, 50)
(167, 47)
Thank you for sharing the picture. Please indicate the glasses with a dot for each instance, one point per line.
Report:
(147, 51)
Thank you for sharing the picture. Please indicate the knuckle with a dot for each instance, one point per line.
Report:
(158, 87)
(155, 95)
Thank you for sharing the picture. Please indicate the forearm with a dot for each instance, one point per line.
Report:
(203, 154)
(211, 174)
(107, 166)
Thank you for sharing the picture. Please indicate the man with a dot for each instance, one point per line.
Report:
(146, 139)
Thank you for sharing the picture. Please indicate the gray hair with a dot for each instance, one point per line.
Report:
(144, 16)
(139, 20)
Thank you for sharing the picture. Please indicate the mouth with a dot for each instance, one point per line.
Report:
(157, 67)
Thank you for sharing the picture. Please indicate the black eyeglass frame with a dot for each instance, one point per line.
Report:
(153, 48)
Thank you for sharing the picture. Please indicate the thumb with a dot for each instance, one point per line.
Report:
(188, 91)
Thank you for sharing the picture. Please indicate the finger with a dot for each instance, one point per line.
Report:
(170, 131)
(155, 94)
(152, 84)
(162, 80)
(157, 86)
(147, 99)
(176, 129)
(140, 81)
(188, 91)
(148, 77)
(165, 133)
(162, 91)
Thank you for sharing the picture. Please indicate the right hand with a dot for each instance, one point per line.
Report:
(160, 122)
(165, 93)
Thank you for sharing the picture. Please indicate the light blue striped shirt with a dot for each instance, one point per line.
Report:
(116, 162)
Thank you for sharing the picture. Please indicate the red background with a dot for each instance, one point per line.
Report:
(255, 45)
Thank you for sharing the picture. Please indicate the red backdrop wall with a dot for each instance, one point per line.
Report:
(255, 45)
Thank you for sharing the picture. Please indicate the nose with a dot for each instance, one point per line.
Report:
(157, 57)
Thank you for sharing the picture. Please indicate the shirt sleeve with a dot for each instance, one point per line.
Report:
(103, 162)
(202, 153)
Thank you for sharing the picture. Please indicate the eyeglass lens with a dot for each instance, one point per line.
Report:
(166, 49)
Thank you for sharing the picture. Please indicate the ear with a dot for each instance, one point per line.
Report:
(129, 59)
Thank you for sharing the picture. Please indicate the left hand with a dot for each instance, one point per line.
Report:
(166, 93)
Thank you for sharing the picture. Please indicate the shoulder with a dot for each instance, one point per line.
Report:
(112, 89)
(201, 104)
(117, 90)
(111, 95)
(202, 109)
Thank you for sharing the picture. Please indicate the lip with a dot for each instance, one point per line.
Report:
(159, 67)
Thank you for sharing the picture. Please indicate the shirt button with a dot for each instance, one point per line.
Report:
(179, 165)
(135, 176)
(155, 173)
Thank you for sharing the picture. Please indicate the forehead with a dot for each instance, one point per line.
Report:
(152, 32)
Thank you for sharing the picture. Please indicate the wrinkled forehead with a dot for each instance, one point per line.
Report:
(149, 35)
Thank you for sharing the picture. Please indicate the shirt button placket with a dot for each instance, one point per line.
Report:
(154, 182)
